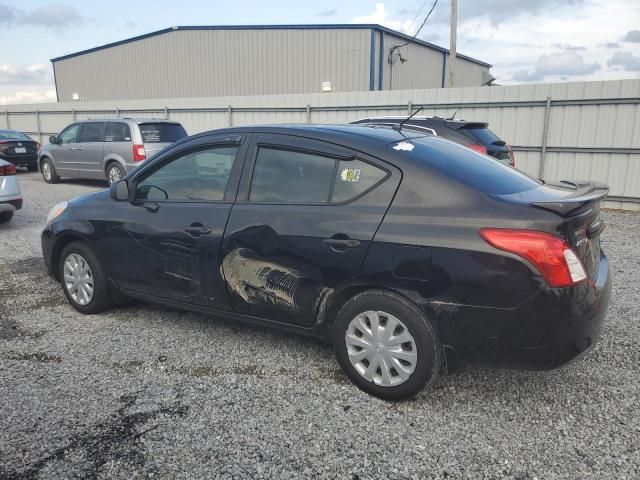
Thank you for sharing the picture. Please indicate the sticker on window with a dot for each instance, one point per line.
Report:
(351, 175)
(406, 146)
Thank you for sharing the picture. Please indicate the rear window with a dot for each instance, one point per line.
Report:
(11, 134)
(161, 132)
(478, 171)
(481, 135)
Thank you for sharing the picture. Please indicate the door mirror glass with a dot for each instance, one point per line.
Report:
(120, 191)
(53, 139)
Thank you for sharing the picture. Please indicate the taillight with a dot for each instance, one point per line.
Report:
(476, 147)
(549, 254)
(138, 153)
(7, 170)
(512, 156)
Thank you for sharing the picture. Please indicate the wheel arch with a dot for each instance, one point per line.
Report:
(109, 159)
(61, 242)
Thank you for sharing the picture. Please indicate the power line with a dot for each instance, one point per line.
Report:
(425, 19)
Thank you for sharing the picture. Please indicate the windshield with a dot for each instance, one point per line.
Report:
(13, 135)
(478, 171)
(161, 132)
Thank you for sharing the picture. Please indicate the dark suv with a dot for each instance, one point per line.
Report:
(473, 135)
(401, 248)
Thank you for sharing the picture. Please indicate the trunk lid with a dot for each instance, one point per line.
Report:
(18, 148)
(578, 206)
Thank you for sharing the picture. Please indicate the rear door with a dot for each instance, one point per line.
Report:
(90, 150)
(302, 224)
(166, 243)
(157, 135)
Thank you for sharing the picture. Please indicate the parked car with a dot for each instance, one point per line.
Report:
(403, 249)
(19, 149)
(106, 148)
(473, 135)
(10, 196)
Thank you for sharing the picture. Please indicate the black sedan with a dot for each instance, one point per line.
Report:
(19, 149)
(409, 252)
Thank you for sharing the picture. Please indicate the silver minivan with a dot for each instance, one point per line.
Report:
(105, 148)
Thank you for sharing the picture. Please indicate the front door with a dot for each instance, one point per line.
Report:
(166, 242)
(302, 224)
(64, 152)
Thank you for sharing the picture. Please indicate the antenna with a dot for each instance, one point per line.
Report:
(399, 128)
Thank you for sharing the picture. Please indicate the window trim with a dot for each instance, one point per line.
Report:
(336, 158)
(181, 153)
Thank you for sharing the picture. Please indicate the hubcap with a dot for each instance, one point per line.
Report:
(114, 174)
(46, 170)
(381, 348)
(78, 279)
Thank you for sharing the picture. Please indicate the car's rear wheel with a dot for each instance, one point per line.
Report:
(5, 217)
(49, 172)
(83, 280)
(114, 172)
(386, 345)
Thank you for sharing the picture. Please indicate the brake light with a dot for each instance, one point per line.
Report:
(7, 170)
(512, 156)
(476, 147)
(549, 254)
(139, 153)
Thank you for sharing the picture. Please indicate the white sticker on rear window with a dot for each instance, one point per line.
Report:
(351, 175)
(406, 146)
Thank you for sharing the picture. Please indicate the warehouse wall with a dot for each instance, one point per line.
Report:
(592, 128)
(205, 63)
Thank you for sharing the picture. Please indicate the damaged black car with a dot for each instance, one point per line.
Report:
(408, 252)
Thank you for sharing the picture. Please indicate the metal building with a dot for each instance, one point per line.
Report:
(213, 61)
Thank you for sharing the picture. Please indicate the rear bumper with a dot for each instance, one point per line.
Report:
(549, 330)
(10, 205)
(22, 161)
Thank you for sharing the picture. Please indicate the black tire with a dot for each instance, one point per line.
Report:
(428, 346)
(114, 166)
(101, 299)
(32, 168)
(5, 217)
(53, 177)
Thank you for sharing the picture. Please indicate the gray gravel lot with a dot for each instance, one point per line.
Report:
(147, 391)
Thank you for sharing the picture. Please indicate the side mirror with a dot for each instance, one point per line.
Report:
(120, 191)
(53, 139)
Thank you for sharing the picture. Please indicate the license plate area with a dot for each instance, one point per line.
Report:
(20, 150)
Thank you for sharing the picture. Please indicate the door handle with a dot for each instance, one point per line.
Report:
(338, 244)
(196, 230)
(79, 148)
(72, 148)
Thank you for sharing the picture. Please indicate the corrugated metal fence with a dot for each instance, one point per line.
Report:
(578, 131)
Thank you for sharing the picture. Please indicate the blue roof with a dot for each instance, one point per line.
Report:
(340, 26)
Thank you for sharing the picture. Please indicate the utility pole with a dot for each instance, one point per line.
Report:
(452, 47)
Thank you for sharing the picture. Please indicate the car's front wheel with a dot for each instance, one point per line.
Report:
(83, 280)
(386, 345)
(49, 171)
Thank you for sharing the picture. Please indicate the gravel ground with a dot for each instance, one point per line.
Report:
(152, 392)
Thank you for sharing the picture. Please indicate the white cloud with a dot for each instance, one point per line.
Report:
(381, 16)
(29, 95)
(564, 63)
(626, 60)
(55, 16)
(37, 74)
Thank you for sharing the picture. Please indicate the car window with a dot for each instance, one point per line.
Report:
(13, 134)
(200, 175)
(353, 178)
(91, 132)
(117, 132)
(69, 134)
(482, 135)
(161, 132)
(285, 176)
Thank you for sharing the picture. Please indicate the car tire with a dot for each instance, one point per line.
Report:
(32, 168)
(49, 171)
(114, 172)
(410, 365)
(83, 279)
(5, 217)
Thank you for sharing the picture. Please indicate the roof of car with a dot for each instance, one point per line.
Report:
(131, 119)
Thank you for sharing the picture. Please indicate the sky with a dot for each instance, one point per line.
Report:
(526, 41)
